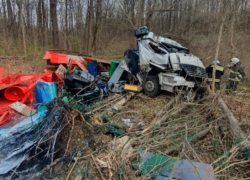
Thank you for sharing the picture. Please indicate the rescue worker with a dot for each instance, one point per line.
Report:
(218, 73)
(237, 71)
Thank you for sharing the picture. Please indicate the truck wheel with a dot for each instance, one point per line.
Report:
(151, 86)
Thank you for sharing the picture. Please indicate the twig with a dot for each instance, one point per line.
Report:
(105, 105)
(234, 148)
(72, 128)
(84, 119)
(76, 159)
(195, 167)
(240, 162)
(195, 152)
(98, 168)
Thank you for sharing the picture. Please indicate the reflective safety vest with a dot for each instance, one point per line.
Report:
(218, 68)
(234, 74)
(215, 80)
(219, 72)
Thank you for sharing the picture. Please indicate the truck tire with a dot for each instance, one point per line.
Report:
(151, 86)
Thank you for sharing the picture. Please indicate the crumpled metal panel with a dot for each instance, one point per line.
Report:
(194, 71)
(152, 50)
(147, 55)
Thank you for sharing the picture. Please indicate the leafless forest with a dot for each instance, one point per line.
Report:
(105, 27)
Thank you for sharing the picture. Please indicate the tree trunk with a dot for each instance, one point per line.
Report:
(137, 19)
(97, 25)
(90, 21)
(45, 25)
(54, 24)
(27, 8)
(150, 16)
(66, 23)
(235, 11)
(232, 36)
(217, 55)
(142, 12)
(10, 18)
(39, 21)
(21, 25)
(138, 14)
(4, 19)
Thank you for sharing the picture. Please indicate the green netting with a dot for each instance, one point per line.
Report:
(156, 164)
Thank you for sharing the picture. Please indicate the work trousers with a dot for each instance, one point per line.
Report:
(232, 86)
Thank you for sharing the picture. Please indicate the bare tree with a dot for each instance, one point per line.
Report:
(22, 33)
(150, 16)
(97, 24)
(90, 24)
(10, 18)
(54, 24)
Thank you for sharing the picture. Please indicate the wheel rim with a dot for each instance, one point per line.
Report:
(150, 86)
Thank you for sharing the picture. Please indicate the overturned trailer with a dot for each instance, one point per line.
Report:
(163, 64)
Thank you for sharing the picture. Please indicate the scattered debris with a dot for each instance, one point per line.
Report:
(81, 121)
(165, 168)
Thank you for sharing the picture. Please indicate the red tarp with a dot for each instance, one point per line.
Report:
(56, 58)
(20, 87)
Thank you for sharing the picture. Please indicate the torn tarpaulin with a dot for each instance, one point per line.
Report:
(35, 136)
(15, 143)
(78, 80)
(165, 168)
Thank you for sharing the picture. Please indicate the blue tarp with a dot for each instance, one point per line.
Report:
(14, 148)
(165, 167)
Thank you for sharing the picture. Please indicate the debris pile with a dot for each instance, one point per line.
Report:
(79, 123)
(35, 108)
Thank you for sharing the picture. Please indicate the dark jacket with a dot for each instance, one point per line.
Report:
(236, 73)
(218, 73)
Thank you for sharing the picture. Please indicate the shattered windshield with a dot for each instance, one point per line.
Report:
(173, 49)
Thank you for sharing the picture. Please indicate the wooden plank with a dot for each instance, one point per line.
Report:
(22, 109)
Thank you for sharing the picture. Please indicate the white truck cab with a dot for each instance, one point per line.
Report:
(163, 64)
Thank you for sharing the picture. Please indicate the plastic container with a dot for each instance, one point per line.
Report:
(93, 68)
(15, 93)
(45, 92)
(113, 66)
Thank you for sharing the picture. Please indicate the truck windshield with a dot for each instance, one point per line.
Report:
(156, 49)
(173, 49)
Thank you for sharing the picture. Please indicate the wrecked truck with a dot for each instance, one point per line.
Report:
(163, 64)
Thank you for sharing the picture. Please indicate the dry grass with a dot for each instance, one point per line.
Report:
(168, 138)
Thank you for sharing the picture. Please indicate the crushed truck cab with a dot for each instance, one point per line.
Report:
(163, 64)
